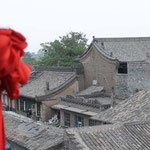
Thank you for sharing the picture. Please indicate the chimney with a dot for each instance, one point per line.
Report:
(111, 54)
(47, 85)
(102, 45)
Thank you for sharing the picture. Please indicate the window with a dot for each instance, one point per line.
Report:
(17, 104)
(24, 109)
(123, 68)
(66, 119)
(92, 122)
(38, 109)
(21, 104)
(79, 121)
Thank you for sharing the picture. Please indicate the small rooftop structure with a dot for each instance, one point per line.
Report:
(130, 136)
(31, 135)
(78, 109)
(92, 99)
(89, 102)
(96, 104)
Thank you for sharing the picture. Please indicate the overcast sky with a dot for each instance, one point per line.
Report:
(45, 20)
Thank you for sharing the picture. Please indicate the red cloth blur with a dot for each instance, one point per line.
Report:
(13, 71)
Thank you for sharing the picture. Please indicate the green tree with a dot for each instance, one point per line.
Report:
(65, 50)
(28, 58)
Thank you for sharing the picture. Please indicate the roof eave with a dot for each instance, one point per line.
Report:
(83, 56)
(54, 92)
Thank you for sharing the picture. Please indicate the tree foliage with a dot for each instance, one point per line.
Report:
(28, 58)
(65, 50)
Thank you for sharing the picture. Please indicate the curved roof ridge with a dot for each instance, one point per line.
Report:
(106, 55)
(37, 87)
(62, 86)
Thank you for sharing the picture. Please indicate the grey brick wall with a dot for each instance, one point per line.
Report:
(97, 67)
(137, 79)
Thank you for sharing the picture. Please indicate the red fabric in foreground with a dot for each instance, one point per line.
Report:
(13, 71)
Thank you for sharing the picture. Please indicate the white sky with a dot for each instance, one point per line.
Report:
(45, 20)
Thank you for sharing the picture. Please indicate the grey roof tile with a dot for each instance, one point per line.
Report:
(134, 136)
(95, 104)
(91, 99)
(37, 86)
(125, 49)
(30, 134)
(136, 108)
(91, 90)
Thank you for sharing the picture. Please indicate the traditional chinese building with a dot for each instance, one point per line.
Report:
(122, 64)
(76, 111)
(44, 90)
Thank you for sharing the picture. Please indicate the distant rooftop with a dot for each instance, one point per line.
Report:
(124, 49)
(30, 134)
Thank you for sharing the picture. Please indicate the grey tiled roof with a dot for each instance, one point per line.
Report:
(136, 108)
(124, 49)
(37, 86)
(133, 136)
(91, 90)
(30, 134)
(91, 99)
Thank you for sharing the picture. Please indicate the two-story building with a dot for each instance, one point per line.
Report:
(44, 90)
(122, 64)
(76, 111)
